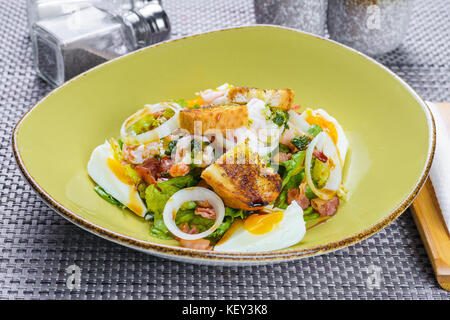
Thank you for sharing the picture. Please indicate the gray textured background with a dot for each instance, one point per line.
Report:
(37, 245)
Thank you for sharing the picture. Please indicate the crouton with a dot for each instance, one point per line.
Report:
(242, 179)
(214, 118)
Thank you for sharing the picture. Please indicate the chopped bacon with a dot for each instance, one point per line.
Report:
(207, 213)
(179, 170)
(145, 174)
(325, 207)
(281, 157)
(320, 156)
(298, 195)
(200, 244)
(154, 169)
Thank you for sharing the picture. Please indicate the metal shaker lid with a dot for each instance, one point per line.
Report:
(149, 22)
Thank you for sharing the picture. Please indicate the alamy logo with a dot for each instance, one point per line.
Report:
(373, 21)
(74, 278)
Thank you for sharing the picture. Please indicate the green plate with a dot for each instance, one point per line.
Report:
(390, 130)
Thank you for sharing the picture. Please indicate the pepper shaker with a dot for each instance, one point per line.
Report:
(305, 15)
(67, 45)
(370, 26)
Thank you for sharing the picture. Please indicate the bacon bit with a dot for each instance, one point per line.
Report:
(200, 244)
(207, 213)
(281, 157)
(320, 156)
(325, 207)
(145, 174)
(179, 170)
(298, 195)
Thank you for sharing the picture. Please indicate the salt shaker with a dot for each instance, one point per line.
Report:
(305, 15)
(67, 45)
(370, 26)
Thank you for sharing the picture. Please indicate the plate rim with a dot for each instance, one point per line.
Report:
(223, 258)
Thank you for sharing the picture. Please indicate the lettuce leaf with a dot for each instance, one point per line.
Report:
(156, 197)
(294, 174)
(106, 196)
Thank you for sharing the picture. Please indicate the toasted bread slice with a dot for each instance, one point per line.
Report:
(242, 179)
(278, 98)
(214, 118)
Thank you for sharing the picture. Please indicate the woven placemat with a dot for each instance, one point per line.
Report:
(37, 245)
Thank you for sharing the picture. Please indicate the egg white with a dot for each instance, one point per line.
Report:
(290, 230)
(100, 172)
(342, 141)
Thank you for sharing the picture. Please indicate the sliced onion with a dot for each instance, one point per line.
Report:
(192, 194)
(298, 122)
(159, 132)
(334, 180)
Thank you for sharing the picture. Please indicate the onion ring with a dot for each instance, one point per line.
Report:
(157, 133)
(192, 194)
(298, 121)
(335, 178)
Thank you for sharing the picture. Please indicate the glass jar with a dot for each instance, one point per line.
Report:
(67, 45)
(370, 26)
(305, 15)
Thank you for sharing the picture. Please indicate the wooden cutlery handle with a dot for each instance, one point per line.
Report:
(430, 223)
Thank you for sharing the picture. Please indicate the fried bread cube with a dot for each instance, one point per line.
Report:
(242, 179)
(214, 118)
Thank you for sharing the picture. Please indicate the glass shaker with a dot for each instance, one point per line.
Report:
(45, 9)
(370, 26)
(305, 15)
(67, 45)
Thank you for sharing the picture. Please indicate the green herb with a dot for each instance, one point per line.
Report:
(301, 142)
(172, 144)
(102, 193)
(279, 117)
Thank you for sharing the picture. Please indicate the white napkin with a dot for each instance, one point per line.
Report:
(440, 170)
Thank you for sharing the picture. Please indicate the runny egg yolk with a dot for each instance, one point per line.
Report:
(326, 125)
(262, 223)
(134, 203)
(119, 170)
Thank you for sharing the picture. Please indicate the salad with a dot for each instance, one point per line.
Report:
(233, 170)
